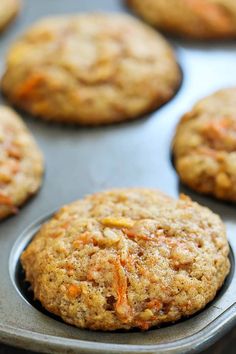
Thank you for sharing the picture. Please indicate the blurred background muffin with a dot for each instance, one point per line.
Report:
(198, 19)
(90, 69)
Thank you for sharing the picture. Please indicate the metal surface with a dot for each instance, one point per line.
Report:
(84, 160)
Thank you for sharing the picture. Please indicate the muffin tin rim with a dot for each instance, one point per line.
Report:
(196, 341)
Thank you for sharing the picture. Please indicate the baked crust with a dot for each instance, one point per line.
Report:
(21, 163)
(205, 146)
(127, 258)
(197, 19)
(90, 69)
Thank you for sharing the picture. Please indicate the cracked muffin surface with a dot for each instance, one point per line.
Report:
(21, 163)
(127, 258)
(205, 146)
(8, 11)
(90, 69)
(197, 19)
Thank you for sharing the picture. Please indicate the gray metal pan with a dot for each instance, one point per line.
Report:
(84, 160)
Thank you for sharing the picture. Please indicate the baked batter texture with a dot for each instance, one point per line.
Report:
(205, 146)
(127, 258)
(21, 163)
(197, 19)
(90, 69)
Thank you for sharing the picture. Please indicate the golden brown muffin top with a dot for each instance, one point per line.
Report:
(200, 19)
(127, 258)
(21, 163)
(91, 69)
(205, 145)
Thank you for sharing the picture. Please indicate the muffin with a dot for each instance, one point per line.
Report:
(90, 69)
(205, 146)
(127, 258)
(21, 163)
(8, 11)
(197, 19)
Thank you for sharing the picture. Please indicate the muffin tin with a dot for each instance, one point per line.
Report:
(82, 160)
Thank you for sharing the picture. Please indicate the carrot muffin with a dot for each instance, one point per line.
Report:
(199, 19)
(127, 258)
(205, 146)
(90, 69)
(21, 163)
(8, 11)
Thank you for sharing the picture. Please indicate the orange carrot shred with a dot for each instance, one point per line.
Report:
(83, 239)
(156, 304)
(143, 325)
(207, 151)
(7, 201)
(15, 166)
(122, 307)
(131, 234)
(14, 152)
(25, 90)
(74, 291)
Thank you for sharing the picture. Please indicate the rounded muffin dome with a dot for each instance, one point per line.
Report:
(127, 258)
(197, 19)
(90, 69)
(205, 146)
(21, 163)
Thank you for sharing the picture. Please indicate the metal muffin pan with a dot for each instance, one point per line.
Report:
(83, 160)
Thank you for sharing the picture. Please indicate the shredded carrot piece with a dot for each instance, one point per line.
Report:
(122, 306)
(207, 151)
(215, 129)
(14, 166)
(5, 178)
(143, 325)
(74, 291)
(143, 271)
(154, 304)
(219, 128)
(11, 166)
(70, 268)
(14, 152)
(131, 234)
(56, 234)
(128, 262)
(7, 201)
(83, 239)
(65, 225)
(25, 90)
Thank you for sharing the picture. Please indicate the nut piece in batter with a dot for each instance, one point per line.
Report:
(127, 258)
(90, 69)
(21, 163)
(205, 146)
(198, 19)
